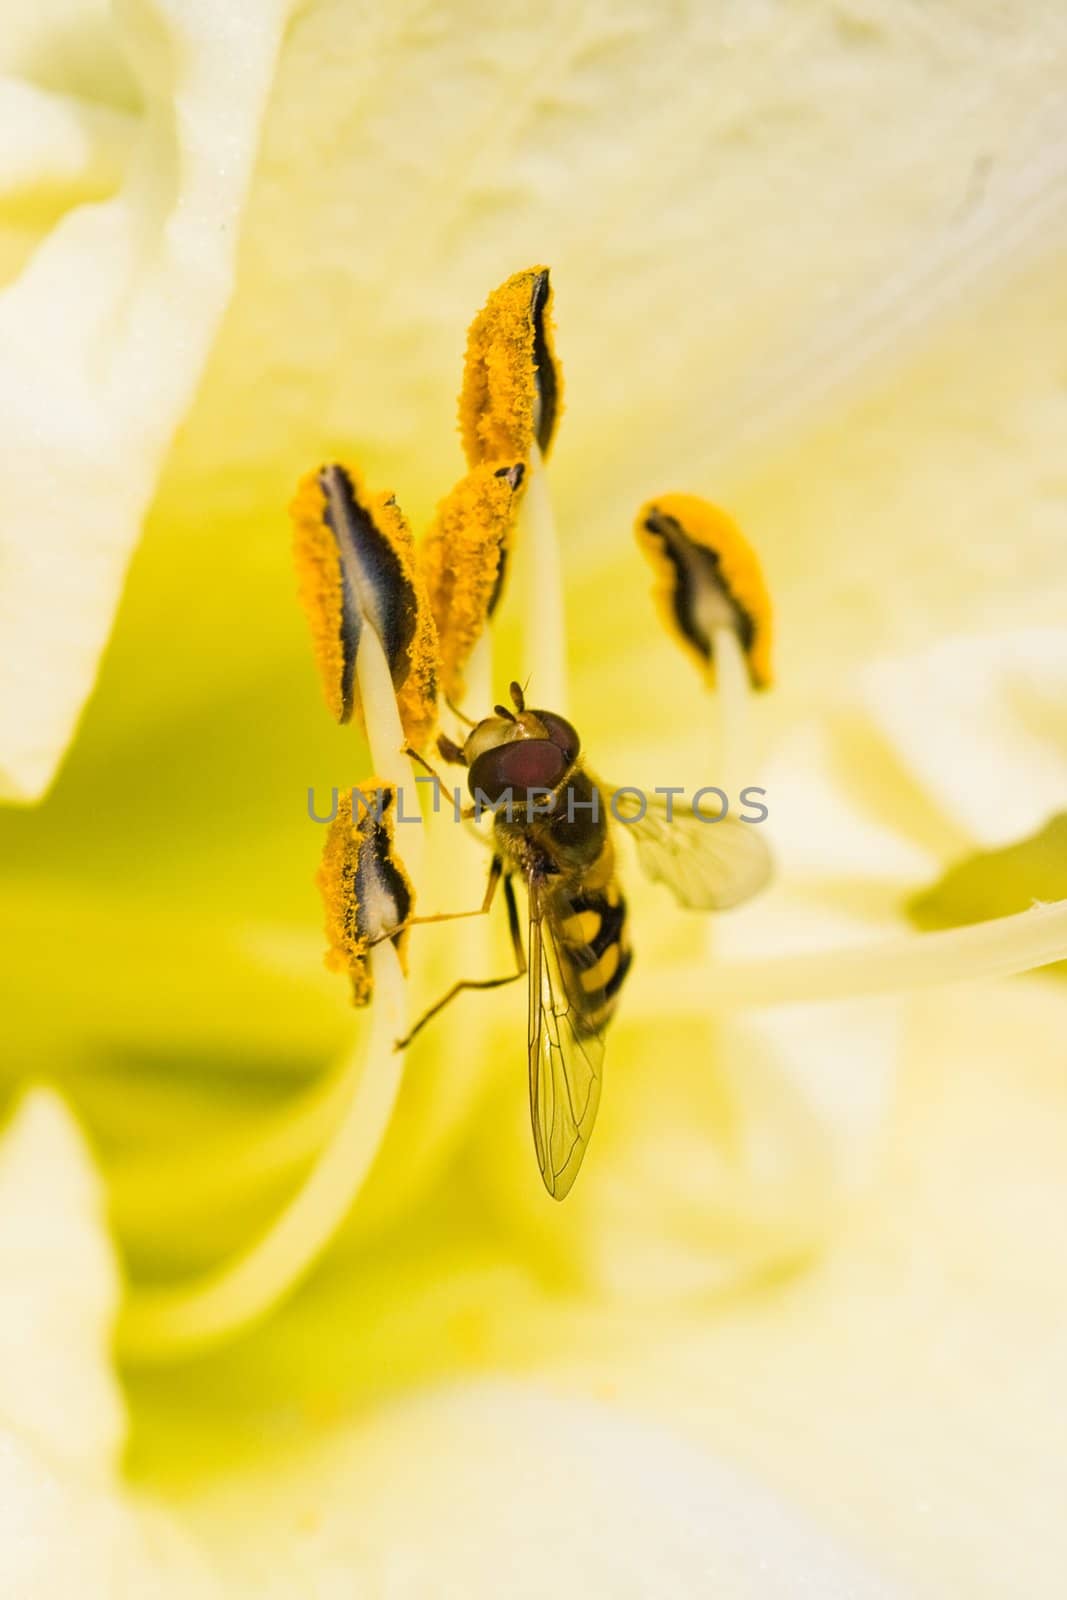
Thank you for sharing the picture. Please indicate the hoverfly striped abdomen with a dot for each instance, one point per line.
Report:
(594, 949)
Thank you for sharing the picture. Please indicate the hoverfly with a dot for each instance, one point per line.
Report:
(551, 828)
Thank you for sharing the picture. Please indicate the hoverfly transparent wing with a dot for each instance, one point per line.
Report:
(707, 866)
(566, 1042)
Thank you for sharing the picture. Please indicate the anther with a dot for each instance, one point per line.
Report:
(708, 582)
(355, 559)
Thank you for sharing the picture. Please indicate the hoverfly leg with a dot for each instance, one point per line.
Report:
(456, 712)
(495, 871)
(480, 983)
(449, 750)
(413, 755)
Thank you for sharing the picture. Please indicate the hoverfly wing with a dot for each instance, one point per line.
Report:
(566, 1041)
(707, 866)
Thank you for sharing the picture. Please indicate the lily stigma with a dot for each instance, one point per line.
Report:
(415, 640)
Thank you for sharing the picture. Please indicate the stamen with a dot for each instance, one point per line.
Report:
(709, 582)
(509, 408)
(464, 560)
(364, 886)
(510, 399)
(479, 676)
(164, 1325)
(1000, 948)
(386, 736)
(539, 583)
(733, 691)
(355, 559)
(366, 892)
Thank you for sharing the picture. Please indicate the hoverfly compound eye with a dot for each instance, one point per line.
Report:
(527, 764)
(561, 732)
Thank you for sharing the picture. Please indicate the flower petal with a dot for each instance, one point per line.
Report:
(60, 1537)
(61, 1291)
(911, 1388)
(66, 1527)
(493, 1488)
(980, 724)
(103, 337)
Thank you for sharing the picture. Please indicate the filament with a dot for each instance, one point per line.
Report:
(732, 701)
(166, 1324)
(385, 737)
(540, 575)
(999, 948)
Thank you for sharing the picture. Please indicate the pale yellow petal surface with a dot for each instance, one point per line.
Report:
(544, 1495)
(910, 1391)
(66, 1526)
(61, 1290)
(905, 1392)
(106, 315)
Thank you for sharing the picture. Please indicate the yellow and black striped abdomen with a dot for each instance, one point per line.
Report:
(592, 937)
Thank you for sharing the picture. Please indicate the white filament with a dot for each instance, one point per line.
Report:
(540, 580)
(733, 691)
(999, 948)
(166, 1324)
(385, 736)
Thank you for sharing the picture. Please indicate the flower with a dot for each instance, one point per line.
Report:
(883, 420)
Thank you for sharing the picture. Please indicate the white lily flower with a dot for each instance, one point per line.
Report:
(809, 263)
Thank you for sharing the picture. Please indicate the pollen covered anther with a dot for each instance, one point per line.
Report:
(365, 889)
(464, 560)
(355, 559)
(709, 581)
(510, 399)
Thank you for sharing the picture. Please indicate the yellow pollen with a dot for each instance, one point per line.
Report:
(417, 695)
(340, 531)
(365, 889)
(318, 568)
(511, 381)
(464, 560)
(708, 576)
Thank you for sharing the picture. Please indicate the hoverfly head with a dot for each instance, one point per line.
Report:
(518, 751)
